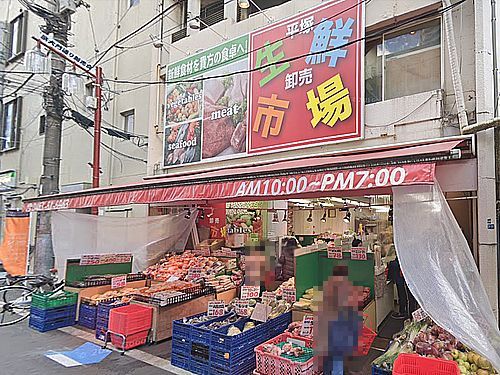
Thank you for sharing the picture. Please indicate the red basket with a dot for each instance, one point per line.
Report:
(365, 341)
(131, 341)
(412, 364)
(130, 319)
(271, 364)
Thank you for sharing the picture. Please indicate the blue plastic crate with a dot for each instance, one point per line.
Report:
(104, 308)
(380, 371)
(183, 330)
(243, 367)
(180, 361)
(181, 346)
(200, 334)
(279, 324)
(53, 314)
(199, 368)
(89, 311)
(86, 322)
(100, 333)
(200, 352)
(221, 341)
(44, 326)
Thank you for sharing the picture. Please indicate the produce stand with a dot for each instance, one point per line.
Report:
(163, 316)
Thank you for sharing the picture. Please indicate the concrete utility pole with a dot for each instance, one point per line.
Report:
(54, 105)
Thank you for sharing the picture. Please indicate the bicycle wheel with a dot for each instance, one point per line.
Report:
(15, 304)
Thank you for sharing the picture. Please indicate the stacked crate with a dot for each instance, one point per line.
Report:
(87, 315)
(51, 311)
(102, 317)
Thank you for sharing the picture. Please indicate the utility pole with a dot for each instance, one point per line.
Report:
(54, 106)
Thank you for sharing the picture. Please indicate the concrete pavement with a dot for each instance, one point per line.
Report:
(22, 352)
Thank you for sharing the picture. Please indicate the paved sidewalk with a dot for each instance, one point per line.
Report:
(22, 352)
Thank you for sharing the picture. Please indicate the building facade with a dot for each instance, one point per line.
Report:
(428, 67)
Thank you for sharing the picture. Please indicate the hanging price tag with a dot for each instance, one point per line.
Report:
(419, 315)
(194, 273)
(215, 308)
(261, 312)
(118, 282)
(249, 292)
(335, 252)
(289, 295)
(241, 307)
(358, 253)
(268, 297)
(307, 325)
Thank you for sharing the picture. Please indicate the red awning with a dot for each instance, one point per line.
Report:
(314, 176)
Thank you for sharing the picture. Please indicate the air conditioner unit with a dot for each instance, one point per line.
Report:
(68, 6)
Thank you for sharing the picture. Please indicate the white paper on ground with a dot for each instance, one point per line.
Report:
(62, 359)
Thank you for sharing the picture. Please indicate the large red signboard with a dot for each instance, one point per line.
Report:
(260, 188)
(313, 99)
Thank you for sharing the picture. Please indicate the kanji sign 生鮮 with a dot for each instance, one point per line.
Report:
(305, 85)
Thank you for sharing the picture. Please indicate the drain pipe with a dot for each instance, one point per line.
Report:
(454, 65)
(495, 58)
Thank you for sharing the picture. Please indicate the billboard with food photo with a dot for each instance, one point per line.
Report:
(295, 83)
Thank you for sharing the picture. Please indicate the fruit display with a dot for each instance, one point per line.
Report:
(428, 339)
(126, 293)
(177, 266)
(306, 301)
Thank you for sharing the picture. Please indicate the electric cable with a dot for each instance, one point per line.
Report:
(297, 57)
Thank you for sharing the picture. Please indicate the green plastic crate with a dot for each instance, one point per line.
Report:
(49, 300)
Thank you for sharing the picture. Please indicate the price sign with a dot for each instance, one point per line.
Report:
(307, 325)
(215, 308)
(419, 315)
(358, 253)
(241, 307)
(335, 252)
(268, 297)
(118, 282)
(249, 292)
(194, 273)
(289, 295)
(261, 312)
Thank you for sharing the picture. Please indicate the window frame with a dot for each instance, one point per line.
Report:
(126, 115)
(21, 19)
(401, 31)
(17, 102)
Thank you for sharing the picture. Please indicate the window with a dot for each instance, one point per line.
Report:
(181, 33)
(132, 3)
(403, 63)
(89, 89)
(211, 12)
(41, 125)
(17, 36)
(255, 5)
(128, 121)
(10, 130)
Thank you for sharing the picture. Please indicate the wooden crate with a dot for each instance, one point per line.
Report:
(228, 295)
(163, 317)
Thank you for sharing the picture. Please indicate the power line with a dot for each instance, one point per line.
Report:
(131, 34)
(96, 50)
(379, 33)
(13, 93)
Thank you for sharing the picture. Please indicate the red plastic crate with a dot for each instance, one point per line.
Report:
(131, 341)
(365, 341)
(412, 364)
(130, 319)
(268, 363)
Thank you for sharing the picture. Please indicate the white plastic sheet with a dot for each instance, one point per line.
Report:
(147, 239)
(440, 271)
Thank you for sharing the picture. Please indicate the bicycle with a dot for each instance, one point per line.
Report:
(15, 298)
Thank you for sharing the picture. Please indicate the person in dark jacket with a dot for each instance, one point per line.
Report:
(407, 303)
(286, 260)
(338, 322)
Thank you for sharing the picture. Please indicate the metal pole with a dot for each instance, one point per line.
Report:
(97, 129)
(49, 181)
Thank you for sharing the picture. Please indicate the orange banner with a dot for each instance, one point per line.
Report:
(14, 248)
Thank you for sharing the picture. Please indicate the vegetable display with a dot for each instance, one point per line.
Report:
(429, 340)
